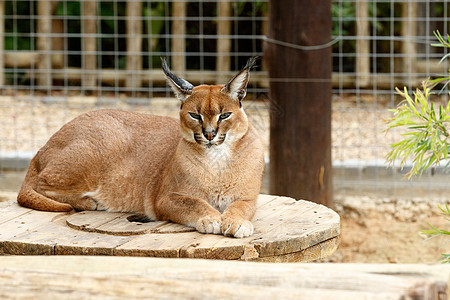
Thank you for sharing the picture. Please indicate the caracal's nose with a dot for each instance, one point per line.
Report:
(209, 134)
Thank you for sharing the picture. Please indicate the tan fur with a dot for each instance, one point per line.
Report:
(124, 161)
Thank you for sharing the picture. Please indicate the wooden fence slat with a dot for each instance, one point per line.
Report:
(89, 43)
(156, 77)
(44, 44)
(408, 32)
(178, 43)
(223, 58)
(264, 30)
(362, 44)
(134, 44)
(58, 42)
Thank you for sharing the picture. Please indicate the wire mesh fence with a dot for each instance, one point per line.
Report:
(381, 45)
(61, 58)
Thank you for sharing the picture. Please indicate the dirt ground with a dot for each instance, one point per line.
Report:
(376, 240)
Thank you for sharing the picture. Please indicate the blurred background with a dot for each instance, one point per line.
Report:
(61, 58)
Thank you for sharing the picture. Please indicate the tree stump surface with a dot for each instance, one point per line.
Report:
(286, 230)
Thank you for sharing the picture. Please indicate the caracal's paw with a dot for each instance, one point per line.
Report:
(209, 224)
(238, 228)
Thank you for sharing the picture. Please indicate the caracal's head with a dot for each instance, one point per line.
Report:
(212, 115)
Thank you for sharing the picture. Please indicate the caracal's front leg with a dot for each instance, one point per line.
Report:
(236, 218)
(190, 211)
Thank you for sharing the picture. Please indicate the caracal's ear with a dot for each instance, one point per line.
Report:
(182, 88)
(237, 87)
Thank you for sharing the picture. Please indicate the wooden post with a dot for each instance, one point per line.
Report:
(89, 56)
(2, 43)
(44, 44)
(362, 44)
(134, 44)
(409, 32)
(300, 91)
(178, 44)
(223, 59)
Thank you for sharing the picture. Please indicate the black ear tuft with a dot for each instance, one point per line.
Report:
(251, 63)
(237, 87)
(182, 88)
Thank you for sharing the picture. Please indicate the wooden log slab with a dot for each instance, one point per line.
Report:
(286, 230)
(84, 277)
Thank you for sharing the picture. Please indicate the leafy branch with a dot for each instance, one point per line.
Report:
(426, 141)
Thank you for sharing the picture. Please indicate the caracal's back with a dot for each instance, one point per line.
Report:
(104, 155)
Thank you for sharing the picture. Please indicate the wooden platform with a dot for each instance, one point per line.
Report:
(285, 231)
(101, 277)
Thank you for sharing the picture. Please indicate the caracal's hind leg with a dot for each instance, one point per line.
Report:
(66, 188)
(76, 200)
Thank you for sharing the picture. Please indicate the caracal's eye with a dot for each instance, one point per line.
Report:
(224, 116)
(195, 116)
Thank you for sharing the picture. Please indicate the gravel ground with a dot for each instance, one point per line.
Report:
(26, 123)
